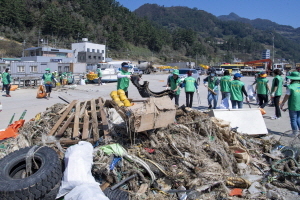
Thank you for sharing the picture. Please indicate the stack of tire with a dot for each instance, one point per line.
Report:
(120, 98)
(42, 183)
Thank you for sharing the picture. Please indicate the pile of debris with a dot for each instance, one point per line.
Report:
(197, 157)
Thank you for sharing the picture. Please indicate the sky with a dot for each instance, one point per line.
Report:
(283, 12)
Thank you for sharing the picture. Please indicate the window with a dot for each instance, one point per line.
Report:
(21, 68)
(66, 69)
(102, 58)
(93, 50)
(59, 69)
(95, 57)
(98, 51)
(33, 69)
(88, 49)
(99, 57)
(102, 51)
(90, 57)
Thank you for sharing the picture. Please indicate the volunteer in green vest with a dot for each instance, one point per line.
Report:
(237, 89)
(225, 85)
(262, 89)
(293, 97)
(99, 72)
(190, 85)
(123, 78)
(174, 83)
(47, 80)
(276, 92)
(6, 82)
(212, 84)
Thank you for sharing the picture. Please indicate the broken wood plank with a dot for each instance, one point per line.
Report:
(64, 141)
(61, 119)
(83, 108)
(63, 109)
(85, 130)
(76, 121)
(94, 120)
(107, 137)
(64, 127)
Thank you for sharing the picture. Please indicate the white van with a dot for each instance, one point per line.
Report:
(220, 71)
(235, 70)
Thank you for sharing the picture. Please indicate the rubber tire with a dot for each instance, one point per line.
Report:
(36, 186)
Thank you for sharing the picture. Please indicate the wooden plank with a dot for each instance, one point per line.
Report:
(94, 120)
(85, 130)
(61, 119)
(83, 108)
(64, 127)
(62, 110)
(76, 121)
(107, 137)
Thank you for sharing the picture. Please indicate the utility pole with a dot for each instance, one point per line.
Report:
(23, 53)
(273, 36)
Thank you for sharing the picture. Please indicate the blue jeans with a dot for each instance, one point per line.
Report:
(237, 103)
(211, 97)
(225, 94)
(295, 119)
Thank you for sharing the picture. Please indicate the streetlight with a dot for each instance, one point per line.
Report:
(273, 36)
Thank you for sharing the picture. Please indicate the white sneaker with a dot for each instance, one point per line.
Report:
(274, 117)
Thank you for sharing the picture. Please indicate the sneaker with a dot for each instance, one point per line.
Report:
(8, 95)
(210, 106)
(274, 117)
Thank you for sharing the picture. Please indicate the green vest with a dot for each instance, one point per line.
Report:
(236, 92)
(294, 99)
(225, 83)
(262, 85)
(174, 83)
(278, 92)
(123, 83)
(99, 72)
(190, 84)
(48, 78)
(5, 78)
(212, 82)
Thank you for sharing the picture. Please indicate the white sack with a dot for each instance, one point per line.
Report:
(225, 104)
(250, 92)
(86, 192)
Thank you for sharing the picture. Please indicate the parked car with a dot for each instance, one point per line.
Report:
(183, 74)
(201, 71)
(235, 70)
(137, 71)
(220, 71)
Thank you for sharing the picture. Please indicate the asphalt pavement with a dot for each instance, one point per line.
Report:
(25, 99)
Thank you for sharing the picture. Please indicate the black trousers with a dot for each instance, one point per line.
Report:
(7, 88)
(176, 98)
(189, 99)
(126, 93)
(48, 88)
(276, 104)
(263, 100)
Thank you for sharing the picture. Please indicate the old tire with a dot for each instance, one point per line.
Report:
(13, 185)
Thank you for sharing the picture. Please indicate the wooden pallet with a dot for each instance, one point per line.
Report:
(87, 119)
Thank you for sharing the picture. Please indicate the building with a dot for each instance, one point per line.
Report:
(48, 54)
(89, 53)
(266, 54)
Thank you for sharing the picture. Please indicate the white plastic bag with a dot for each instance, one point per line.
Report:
(225, 104)
(86, 192)
(250, 92)
(78, 161)
(82, 82)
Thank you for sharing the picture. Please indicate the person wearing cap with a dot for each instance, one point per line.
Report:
(293, 97)
(237, 89)
(6, 81)
(212, 83)
(225, 85)
(276, 92)
(99, 72)
(123, 78)
(262, 89)
(174, 83)
(47, 80)
(190, 85)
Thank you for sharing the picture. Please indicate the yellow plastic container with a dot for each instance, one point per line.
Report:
(120, 91)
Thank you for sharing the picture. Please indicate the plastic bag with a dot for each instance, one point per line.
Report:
(82, 82)
(86, 192)
(250, 92)
(41, 93)
(78, 162)
(225, 104)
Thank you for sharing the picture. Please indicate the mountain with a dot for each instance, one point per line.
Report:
(230, 35)
(263, 24)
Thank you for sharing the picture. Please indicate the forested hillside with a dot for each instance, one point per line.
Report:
(169, 34)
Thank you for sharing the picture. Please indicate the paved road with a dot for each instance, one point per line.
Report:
(26, 99)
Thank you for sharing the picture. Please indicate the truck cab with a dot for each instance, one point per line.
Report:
(220, 71)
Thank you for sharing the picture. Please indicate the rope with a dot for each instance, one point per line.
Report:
(238, 182)
(282, 172)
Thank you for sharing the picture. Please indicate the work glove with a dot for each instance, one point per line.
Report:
(55, 80)
(216, 88)
(197, 91)
(205, 84)
(273, 94)
(247, 99)
(128, 76)
(167, 88)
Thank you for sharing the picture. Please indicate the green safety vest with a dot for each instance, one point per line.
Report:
(174, 83)
(5, 78)
(278, 92)
(262, 85)
(48, 78)
(225, 83)
(212, 82)
(99, 72)
(294, 99)
(123, 83)
(236, 92)
(190, 84)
